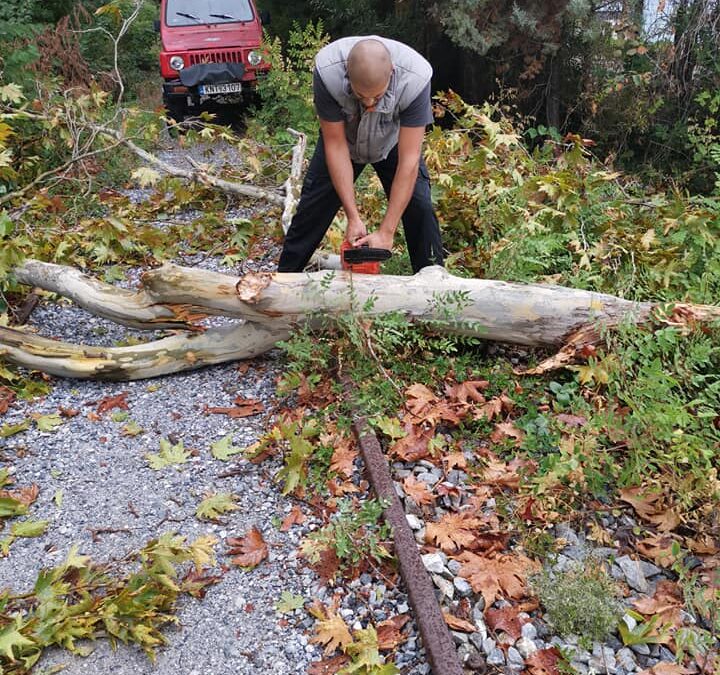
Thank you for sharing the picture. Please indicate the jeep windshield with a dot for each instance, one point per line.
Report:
(194, 12)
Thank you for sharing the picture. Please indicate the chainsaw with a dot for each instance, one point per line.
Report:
(362, 259)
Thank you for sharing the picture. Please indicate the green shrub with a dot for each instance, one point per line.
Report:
(581, 602)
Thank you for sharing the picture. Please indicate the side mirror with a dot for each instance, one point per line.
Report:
(156, 25)
(265, 17)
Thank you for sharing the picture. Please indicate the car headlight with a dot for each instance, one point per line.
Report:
(254, 58)
(177, 62)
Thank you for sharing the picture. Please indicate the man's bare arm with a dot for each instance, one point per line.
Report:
(409, 148)
(337, 155)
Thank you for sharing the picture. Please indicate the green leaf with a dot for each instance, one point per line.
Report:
(145, 176)
(58, 498)
(214, 506)
(11, 507)
(29, 528)
(11, 93)
(7, 430)
(7, 226)
(12, 642)
(132, 428)
(289, 602)
(168, 455)
(49, 422)
(390, 426)
(119, 416)
(224, 449)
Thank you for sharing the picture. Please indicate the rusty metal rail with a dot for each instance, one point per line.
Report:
(438, 643)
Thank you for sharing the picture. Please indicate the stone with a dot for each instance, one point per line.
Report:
(463, 588)
(446, 587)
(626, 660)
(666, 654)
(649, 570)
(529, 631)
(641, 649)
(433, 563)
(629, 622)
(565, 531)
(413, 521)
(488, 645)
(454, 566)
(563, 564)
(603, 660)
(459, 638)
(577, 553)
(633, 573)
(579, 668)
(478, 610)
(525, 646)
(496, 658)
(515, 659)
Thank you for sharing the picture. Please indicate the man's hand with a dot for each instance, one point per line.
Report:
(379, 239)
(355, 230)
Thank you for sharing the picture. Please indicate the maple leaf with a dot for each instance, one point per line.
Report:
(454, 460)
(212, 507)
(295, 517)
(458, 624)
(650, 506)
(489, 410)
(29, 528)
(250, 550)
(505, 619)
(388, 632)
(365, 654)
(660, 549)
(506, 430)
(494, 577)
(343, 458)
(196, 582)
(500, 474)
(453, 532)
(390, 426)
(414, 445)
(11, 639)
(288, 602)
(7, 396)
(666, 604)
(544, 662)
(242, 407)
(418, 491)
(145, 176)
(419, 398)
(332, 632)
(47, 422)
(168, 455)
(470, 390)
(665, 668)
(224, 449)
(110, 402)
(329, 666)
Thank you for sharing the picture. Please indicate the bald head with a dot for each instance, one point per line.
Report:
(369, 65)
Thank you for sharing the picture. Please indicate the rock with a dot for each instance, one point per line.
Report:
(626, 660)
(666, 654)
(413, 521)
(525, 646)
(446, 587)
(633, 573)
(478, 609)
(579, 668)
(629, 622)
(514, 659)
(641, 649)
(454, 566)
(529, 631)
(434, 563)
(563, 564)
(463, 588)
(603, 660)
(564, 531)
(603, 553)
(459, 638)
(650, 570)
(577, 553)
(488, 645)
(496, 658)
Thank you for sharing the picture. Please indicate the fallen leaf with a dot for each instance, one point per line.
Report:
(506, 430)
(650, 506)
(332, 632)
(389, 632)
(572, 420)
(343, 458)
(295, 517)
(196, 582)
(110, 402)
(489, 410)
(458, 624)
(504, 619)
(659, 548)
(414, 445)
(470, 390)
(168, 455)
(665, 668)
(224, 449)
(454, 460)
(418, 491)
(242, 407)
(249, 551)
(328, 666)
(543, 662)
(498, 576)
(288, 602)
(453, 532)
(7, 396)
(212, 507)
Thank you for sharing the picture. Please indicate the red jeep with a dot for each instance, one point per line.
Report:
(210, 53)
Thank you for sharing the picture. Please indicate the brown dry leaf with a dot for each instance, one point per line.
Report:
(250, 550)
(420, 398)
(196, 582)
(7, 396)
(543, 662)
(343, 458)
(295, 517)
(328, 566)
(489, 410)
(242, 407)
(454, 460)
(497, 576)
(666, 603)
(338, 488)
(328, 666)
(498, 473)
(506, 430)
(414, 446)
(110, 402)
(571, 420)
(453, 532)
(458, 624)
(703, 544)
(418, 491)
(665, 668)
(332, 632)
(467, 391)
(658, 548)
(650, 506)
(25, 495)
(505, 619)
(388, 632)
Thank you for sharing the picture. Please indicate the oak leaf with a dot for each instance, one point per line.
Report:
(250, 550)
(469, 390)
(453, 532)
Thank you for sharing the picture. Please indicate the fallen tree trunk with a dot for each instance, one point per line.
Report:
(269, 305)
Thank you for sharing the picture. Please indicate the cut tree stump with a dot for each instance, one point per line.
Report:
(268, 306)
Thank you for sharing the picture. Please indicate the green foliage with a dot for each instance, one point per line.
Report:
(286, 92)
(213, 506)
(169, 455)
(354, 534)
(79, 600)
(580, 602)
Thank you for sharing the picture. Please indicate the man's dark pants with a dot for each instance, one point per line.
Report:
(319, 203)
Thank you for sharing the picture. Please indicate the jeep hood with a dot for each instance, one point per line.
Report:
(217, 36)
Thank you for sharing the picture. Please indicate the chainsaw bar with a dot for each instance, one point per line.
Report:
(362, 254)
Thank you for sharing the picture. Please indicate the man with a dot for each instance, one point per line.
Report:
(372, 96)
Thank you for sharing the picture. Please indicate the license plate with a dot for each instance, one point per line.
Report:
(229, 88)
